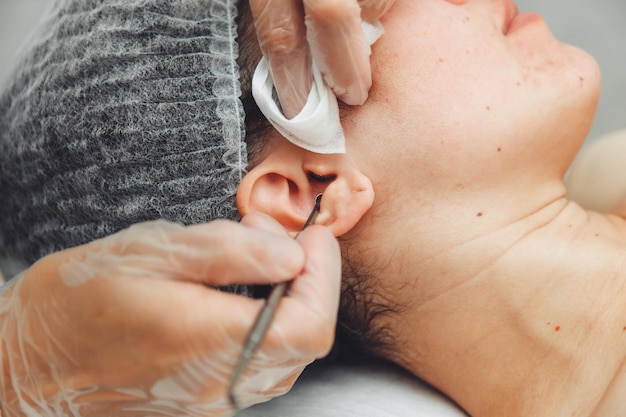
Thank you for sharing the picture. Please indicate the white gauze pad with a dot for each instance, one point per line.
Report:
(317, 127)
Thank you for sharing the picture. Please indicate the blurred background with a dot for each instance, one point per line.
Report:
(597, 26)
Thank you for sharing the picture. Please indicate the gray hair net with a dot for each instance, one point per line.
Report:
(118, 112)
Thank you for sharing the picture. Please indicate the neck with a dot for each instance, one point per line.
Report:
(538, 328)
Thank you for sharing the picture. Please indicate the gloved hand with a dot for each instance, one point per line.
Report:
(126, 326)
(291, 32)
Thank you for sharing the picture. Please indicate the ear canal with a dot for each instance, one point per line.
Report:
(283, 189)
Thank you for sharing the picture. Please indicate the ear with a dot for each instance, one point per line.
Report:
(284, 185)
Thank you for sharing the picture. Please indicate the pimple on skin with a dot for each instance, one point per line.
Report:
(488, 108)
(479, 214)
(557, 328)
(499, 149)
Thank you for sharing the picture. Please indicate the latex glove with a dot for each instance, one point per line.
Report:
(125, 326)
(292, 32)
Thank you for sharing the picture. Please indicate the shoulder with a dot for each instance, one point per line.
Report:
(596, 178)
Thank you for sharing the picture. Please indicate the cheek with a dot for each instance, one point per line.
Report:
(449, 83)
(449, 96)
(445, 92)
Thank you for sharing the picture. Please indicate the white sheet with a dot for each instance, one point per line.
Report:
(369, 390)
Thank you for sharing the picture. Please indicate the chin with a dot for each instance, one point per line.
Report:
(582, 71)
(579, 75)
(588, 86)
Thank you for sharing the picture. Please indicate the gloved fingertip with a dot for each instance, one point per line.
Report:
(288, 261)
(264, 222)
(353, 96)
(321, 244)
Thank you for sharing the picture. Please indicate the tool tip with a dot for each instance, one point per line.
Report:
(318, 200)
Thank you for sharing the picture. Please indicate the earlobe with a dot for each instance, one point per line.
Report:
(284, 185)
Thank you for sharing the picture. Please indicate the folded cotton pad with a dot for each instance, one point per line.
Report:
(317, 127)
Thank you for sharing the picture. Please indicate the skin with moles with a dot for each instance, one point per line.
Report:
(511, 298)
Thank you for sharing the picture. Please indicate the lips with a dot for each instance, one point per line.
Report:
(510, 12)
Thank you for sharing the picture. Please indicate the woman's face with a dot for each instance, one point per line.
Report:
(471, 108)
(458, 84)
